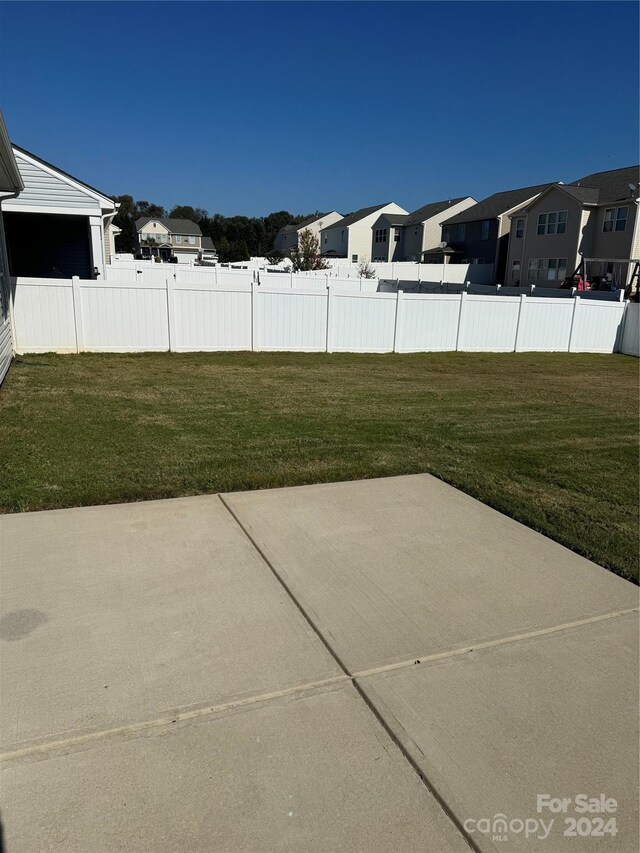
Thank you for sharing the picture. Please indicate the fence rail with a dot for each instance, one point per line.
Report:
(194, 313)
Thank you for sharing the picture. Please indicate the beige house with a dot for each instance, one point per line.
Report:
(406, 237)
(169, 238)
(595, 217)
(287, 237)
(351, 237)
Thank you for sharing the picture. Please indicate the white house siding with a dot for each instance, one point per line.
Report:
(6, 341)
(44, 192)
(360, 234)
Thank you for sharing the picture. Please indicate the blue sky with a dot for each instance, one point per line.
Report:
(248, 108)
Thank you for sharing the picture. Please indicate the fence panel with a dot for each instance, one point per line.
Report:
(545, 325)
(211, 317)
(597, 326)
(132, 318)
(362, 322)
(43, 315)
(488, 323)
(630, 342)
(292, 320)
(427, 323)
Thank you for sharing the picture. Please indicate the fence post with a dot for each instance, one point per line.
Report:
(520, 311)
(463, 297)
(573, 319)
(397, 323)
(254, 317)
(330, 298)
(291, 278)
(171, 311)
(77, 313)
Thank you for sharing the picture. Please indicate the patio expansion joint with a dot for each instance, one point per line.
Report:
(68, 741)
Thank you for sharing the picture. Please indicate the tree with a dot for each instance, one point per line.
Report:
(307, 254)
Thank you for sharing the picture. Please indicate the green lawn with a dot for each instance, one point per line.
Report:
(550, 439)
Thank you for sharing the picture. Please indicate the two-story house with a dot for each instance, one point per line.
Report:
(169, 238)
(595, 217)
(406, 237)
(351, 237)
(480, 234)
(287, 237)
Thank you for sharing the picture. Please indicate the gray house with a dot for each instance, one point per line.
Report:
(594, 217)
(480, 234)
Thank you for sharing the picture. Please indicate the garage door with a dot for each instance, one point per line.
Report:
(46, 245)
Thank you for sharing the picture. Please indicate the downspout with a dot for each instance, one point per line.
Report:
(105, 216)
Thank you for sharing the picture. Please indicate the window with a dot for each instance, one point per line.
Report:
(192, 241)
(462, 231)
(380, 235)
(484, 230)
(519, 229)
(415, 231)
(515, 270)
(325, 238)
(547, 269)
(552, 223)
(342, 234)
(615, 219)
(396, 235)
(354, 259)
(178, 238)
(446, 233)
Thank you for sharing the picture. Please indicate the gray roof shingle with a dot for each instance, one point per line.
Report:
(175, 226)
(494, 205)
(432, 209)
(357, 216)
(612, 185)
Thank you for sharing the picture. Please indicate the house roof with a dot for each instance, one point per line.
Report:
(357, 216)
(62, 172)
(432, 209)
(292, 229)
(207, 243)
(612, 185)
(174, 226)
(395, 218)
(496, 204)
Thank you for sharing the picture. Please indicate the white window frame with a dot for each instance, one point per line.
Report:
(515, 269)
(178, 238)
(192, 241)
(552, 223)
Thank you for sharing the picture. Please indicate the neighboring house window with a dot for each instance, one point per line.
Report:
(415, 231)
(354, 259)
(484, 230)
(178, 238)
(462, 231)
(615, 219)
(192, 241)
(396, 235)
(519, 229)
(342, 234)
(547, 269)
(552, 223)
(515, 270)
(446, 233)
(325, 239)
(380, 235)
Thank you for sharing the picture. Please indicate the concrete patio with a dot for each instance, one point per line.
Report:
(371, 666)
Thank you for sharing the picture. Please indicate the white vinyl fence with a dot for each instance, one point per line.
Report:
(195, 313)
